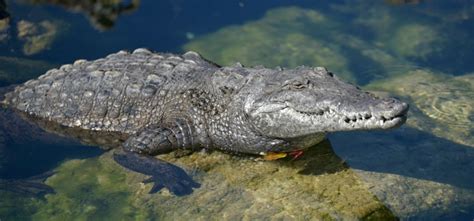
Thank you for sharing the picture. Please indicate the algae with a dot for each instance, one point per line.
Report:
(91, 189)
(417, 41)
(293, 36)
(280, 38)
(17, 207)
(441, 104)
(247, 188)
(37, 36)
(235, 187)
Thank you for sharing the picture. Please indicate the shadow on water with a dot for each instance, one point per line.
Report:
(408, 152)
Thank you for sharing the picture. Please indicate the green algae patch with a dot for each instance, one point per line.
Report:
(280, 38)
(417, 41)
(91, 189)
(16, 70)
(37, 36)
(442, 105)
(234, 187)
(16, 206)
(243, 187)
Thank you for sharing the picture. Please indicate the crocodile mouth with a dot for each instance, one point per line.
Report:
(339, 120)
(352, 121)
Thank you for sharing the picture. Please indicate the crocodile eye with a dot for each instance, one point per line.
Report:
(297, 85)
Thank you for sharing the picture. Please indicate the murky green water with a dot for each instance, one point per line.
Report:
(421, 52)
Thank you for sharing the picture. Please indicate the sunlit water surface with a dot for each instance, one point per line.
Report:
(418, 51)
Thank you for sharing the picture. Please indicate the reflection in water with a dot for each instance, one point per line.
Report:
(102, 13)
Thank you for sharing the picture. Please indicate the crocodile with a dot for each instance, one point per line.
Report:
(160, 102)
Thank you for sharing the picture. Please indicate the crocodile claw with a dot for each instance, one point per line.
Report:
(163, 174)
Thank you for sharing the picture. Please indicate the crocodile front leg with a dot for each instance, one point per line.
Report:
(155, 140)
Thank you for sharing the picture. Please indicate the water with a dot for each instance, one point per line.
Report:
(420, 52)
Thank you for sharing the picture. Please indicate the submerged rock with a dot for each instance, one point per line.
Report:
(417, 175)
(283, 37)
(318, 186)
(441, 104)
(417, 41)
(37, 36)
(293, 36)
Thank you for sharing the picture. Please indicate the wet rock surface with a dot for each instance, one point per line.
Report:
(318, 186)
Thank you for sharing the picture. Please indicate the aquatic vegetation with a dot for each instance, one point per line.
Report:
(16, 70)
(442, 105)
(88, 189)
(319, 185)
(416, 41)
(235, 187)
(293, 36)
(428, 34)
(16, 206)
(282, 37)
(37, 36)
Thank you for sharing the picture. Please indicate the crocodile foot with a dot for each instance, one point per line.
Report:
(296, 154)
(163, 174)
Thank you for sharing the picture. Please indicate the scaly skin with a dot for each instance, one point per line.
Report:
(166, 101)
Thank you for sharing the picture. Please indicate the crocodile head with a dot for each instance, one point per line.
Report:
(306, 101)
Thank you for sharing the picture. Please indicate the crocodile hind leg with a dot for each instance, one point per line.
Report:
(138, 151)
